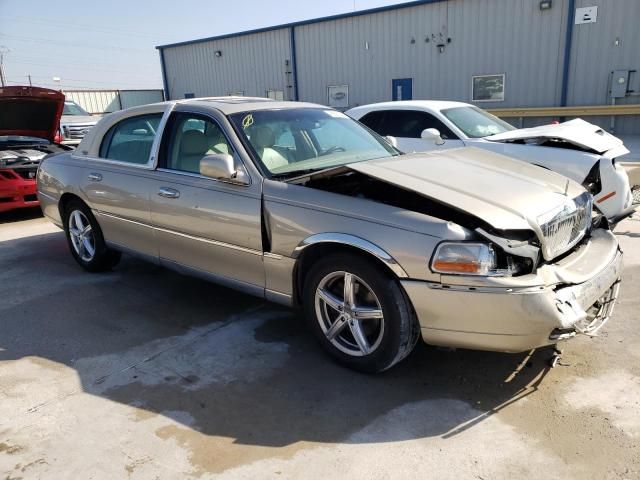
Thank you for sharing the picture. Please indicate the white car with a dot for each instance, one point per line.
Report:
(577, 149)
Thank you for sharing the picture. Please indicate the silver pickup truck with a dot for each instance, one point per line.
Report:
(75, 123)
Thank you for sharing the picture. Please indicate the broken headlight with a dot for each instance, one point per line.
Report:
(476, 258)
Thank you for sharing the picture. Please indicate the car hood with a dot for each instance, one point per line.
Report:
(583, 135)
(83, 119)
(30, 111)
(505, 193)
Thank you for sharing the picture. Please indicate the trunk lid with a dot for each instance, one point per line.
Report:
(30, 111)
(507, 194)
(583, 135)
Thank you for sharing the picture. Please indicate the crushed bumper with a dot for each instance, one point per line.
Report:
(16, 191)
(517, 319)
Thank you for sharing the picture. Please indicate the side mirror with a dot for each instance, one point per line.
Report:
(393, 141)
(432, 134)
(221, 166)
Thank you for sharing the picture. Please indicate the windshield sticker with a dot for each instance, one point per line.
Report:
(247, 121)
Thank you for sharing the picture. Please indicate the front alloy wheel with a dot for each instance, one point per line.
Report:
(359, 312)
(349, 313)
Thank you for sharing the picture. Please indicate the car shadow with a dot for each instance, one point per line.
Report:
(225, 364)
(20, 214)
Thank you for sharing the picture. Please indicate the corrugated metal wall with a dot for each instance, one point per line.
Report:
(366, 52)
(250, 64)
(132, 98)
(95, 101)
(595, 54)
(487, 37)
(106, 101)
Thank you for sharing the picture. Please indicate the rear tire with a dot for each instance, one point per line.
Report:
(359, 313)
(85, 239)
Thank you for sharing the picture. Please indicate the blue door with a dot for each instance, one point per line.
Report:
(402, 89)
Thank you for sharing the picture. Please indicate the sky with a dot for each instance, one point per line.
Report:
(110, 44)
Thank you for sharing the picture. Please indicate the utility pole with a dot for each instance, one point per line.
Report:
(30, 84)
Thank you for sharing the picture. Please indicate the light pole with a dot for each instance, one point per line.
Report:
(3, 50)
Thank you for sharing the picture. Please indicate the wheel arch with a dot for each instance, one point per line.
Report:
(316, 246)
(64, 201)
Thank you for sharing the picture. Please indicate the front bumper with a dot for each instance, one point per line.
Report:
(16, 192)
(518, 318)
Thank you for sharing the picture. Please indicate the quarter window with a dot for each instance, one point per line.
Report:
(130, 140)
(405, 123)
(191, 137)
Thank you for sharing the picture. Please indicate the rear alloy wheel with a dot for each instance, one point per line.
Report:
(85, 239)
(359, 313)
(82, 238)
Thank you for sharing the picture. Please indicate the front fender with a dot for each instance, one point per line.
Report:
(355, 242)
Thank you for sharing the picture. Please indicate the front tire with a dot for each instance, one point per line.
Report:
(85, 239)
(359, 313)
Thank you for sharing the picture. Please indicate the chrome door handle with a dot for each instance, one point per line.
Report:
(168, 192)
(96, 177)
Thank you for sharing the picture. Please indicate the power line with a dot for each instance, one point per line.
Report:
(67, 86)
(58, 24)
(85, 66)
(66, 79)
(73, 44)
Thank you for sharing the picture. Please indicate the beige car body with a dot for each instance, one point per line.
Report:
(261, 236)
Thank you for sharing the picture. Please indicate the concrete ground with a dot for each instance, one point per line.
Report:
(143, 374)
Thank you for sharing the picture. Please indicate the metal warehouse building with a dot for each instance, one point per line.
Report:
(498, 54)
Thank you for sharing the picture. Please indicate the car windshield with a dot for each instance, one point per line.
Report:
(71, 108)
(475, 122)
(294, 141)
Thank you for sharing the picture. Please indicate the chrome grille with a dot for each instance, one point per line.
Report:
(76, 131)
(562, 228)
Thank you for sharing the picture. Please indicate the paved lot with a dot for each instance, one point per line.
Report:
(143, 374)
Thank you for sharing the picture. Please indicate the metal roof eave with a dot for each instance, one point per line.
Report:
(303, 22)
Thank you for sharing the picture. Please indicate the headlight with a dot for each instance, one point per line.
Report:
(475, 258)
(464, 258)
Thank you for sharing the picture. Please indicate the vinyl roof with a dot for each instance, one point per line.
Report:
(231, 105)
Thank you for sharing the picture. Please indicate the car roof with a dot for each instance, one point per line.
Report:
(435, 105)
(230, 105)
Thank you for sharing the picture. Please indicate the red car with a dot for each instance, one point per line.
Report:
(29, 119)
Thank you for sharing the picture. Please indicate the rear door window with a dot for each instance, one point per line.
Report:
(130, 140)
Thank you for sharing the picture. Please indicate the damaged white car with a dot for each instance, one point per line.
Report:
(301, 205)
(577, 149)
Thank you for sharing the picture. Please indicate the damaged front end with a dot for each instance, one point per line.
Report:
(500, 288)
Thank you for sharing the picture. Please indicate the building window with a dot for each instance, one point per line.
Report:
(338, 96)
(275, 95)
(237, 93)
(487, 88)
(189, 95)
